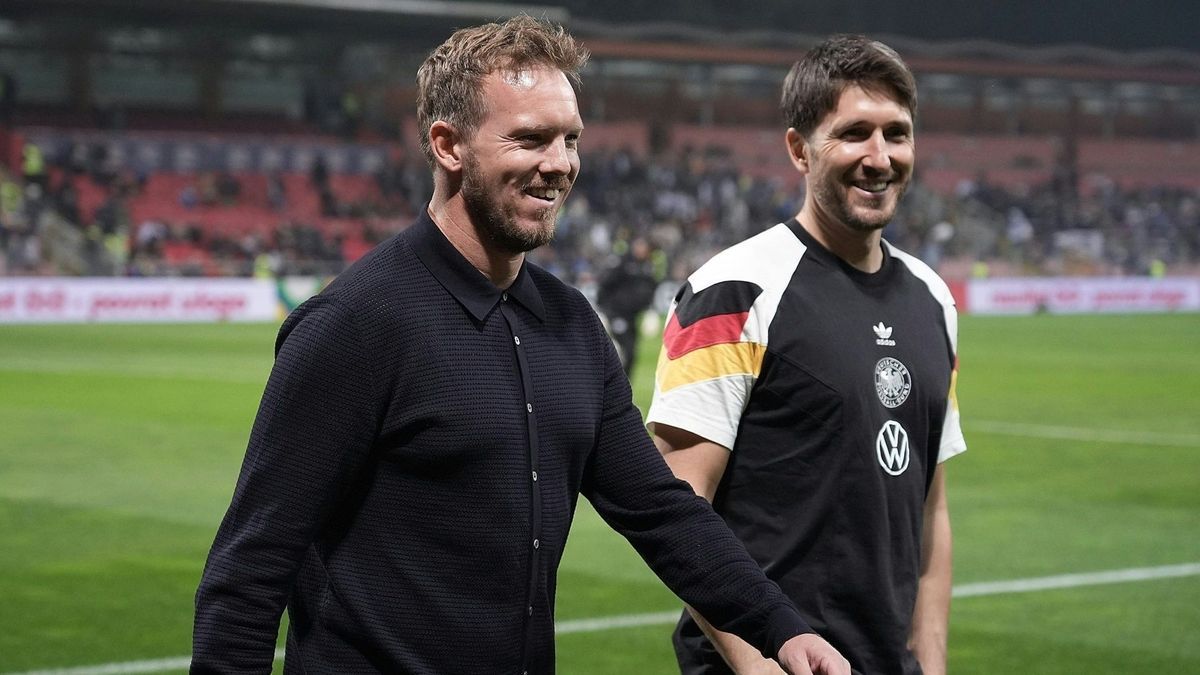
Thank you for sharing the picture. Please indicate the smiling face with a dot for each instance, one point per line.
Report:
(858, 161)
(520, 164)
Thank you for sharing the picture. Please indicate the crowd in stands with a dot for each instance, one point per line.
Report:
(687, 204)
(694, 204)
(131, 222)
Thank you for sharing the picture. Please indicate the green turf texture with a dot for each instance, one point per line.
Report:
(119, 447)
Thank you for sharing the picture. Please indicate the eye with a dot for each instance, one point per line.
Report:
(572, 141)
(855, 134)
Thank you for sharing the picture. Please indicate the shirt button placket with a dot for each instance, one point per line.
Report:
(533, 472)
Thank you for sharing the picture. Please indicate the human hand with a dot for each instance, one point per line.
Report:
(810, 654)
(760, 667)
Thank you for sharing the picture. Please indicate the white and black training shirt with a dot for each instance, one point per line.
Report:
(834, 390)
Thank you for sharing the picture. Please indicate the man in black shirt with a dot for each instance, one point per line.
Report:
(433, 415)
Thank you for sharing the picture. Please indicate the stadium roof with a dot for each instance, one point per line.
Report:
(1149, 41)
(1104, 24)
(1147, 25)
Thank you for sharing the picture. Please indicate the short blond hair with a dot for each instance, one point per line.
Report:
(450, 81)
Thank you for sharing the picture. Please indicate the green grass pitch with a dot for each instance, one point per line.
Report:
(119, 446)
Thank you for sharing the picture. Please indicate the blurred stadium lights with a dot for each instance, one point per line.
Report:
(443, 9)
(471, 10)
(217, 57)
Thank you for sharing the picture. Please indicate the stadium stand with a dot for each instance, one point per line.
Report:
(1023, 151)
(719, 183)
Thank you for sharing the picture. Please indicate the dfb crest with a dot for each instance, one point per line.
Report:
(892, 382)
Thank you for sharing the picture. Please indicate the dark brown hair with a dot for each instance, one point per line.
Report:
(817, 80)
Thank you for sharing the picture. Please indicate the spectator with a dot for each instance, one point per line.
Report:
(276, 191)
(228, 188)
(626, 290)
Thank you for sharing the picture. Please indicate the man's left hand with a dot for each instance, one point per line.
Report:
(810, 654)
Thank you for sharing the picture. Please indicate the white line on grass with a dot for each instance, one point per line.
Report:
(661, 618)
(1076, 580)
(1085, 434)
(610, 622)
(129, 667)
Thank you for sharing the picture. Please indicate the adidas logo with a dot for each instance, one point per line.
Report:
(884, 334)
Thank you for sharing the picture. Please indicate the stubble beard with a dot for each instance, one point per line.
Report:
(832, 195)
(497, 222)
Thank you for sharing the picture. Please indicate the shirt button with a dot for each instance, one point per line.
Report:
(531, 610)
(535, 476)
(516, 339)
(504, 297)
(536, 543)
(528, 407)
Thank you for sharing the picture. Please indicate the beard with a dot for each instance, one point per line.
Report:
(498, 221)
(831, 194)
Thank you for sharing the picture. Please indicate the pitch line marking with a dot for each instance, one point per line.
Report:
(1076, 580)
(611, 622)
(984, 588)
(129, 667)
(1083, 434)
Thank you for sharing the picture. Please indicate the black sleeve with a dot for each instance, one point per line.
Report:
(676, 532)
(313, 431)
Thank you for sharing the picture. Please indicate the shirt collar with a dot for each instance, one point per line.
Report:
(817, 250)
(469, 286)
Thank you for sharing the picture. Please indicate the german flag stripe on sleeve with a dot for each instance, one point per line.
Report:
(710, 363)
(715, 315)
(726, 297)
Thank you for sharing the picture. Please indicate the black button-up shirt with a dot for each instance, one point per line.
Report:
(412, 473)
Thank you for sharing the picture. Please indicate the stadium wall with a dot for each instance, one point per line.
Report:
(88, 300)
(149, 300)
(1079, 295)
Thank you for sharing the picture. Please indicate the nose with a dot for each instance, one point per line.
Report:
(876, 154)
(557, 158)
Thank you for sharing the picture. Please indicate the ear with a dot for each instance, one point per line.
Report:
(797, 150)
(444, 142)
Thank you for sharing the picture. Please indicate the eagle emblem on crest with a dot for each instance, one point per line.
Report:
(892, 382)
